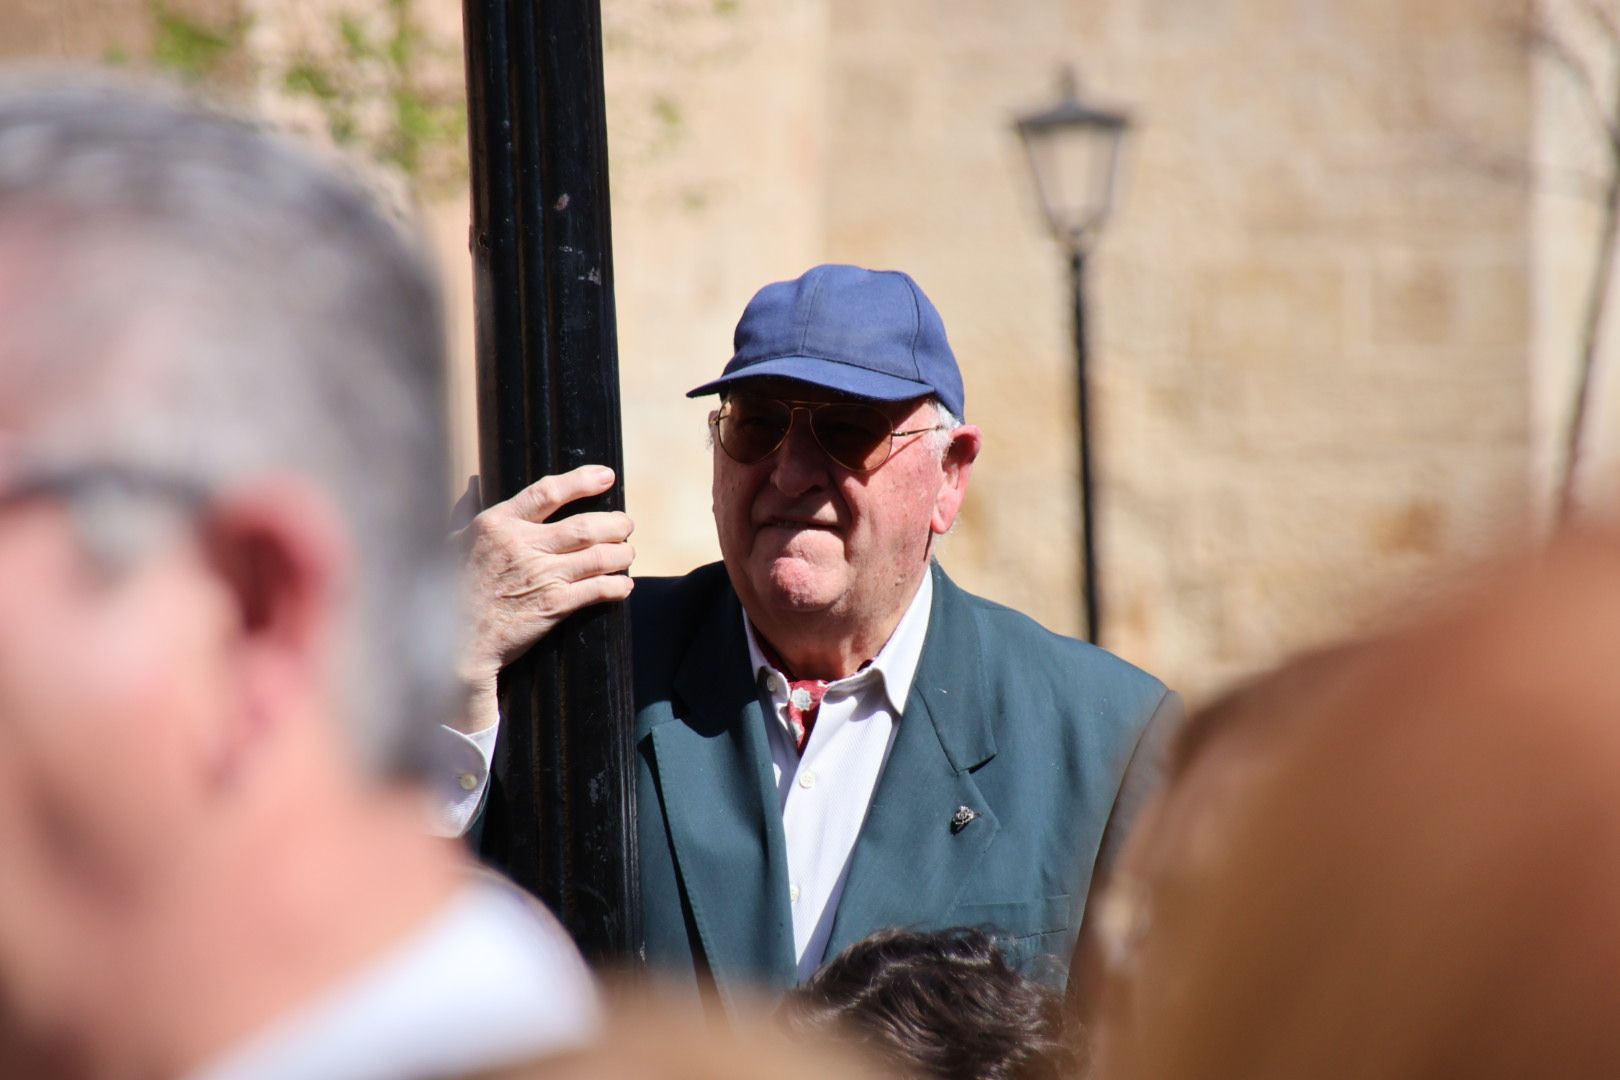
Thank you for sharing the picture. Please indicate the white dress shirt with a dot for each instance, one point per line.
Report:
(824, 795)
(491, 981)
(465, 761)
(826, 792)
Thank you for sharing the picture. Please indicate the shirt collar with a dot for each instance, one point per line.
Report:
(471, 989)
(895, 664)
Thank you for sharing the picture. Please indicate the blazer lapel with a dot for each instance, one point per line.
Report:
(916, 850)
(715, 781)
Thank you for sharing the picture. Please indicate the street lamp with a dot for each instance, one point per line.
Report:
(1073, 149)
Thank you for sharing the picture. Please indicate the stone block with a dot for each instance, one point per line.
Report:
(1202, 23)
(85, 31)
(1415, 300)
(1495, 305)
(1266, 307)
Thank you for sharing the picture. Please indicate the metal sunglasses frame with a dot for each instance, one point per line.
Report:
(810, 408)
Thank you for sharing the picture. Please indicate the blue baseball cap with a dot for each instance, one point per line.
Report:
(867, 333)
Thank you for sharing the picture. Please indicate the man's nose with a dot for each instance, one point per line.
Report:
(800, 465)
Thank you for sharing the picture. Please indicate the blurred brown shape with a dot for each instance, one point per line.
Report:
(1400, 858)
(653, 1035)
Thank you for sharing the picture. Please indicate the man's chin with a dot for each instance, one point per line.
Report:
(794, 583)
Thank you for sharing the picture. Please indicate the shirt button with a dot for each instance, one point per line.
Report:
(793, 893)
(467, 780)
(807, 779)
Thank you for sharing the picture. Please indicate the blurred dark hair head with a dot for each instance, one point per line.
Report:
(942, 1004)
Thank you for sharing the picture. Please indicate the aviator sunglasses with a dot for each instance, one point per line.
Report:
(858, 437)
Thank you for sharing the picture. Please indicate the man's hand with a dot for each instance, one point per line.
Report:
(527, 574)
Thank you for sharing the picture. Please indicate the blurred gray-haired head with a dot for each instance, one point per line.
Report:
(195, 296)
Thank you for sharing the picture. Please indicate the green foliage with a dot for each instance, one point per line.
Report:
(362, 73)
(651, 121)
(353, 35)
(191, 48)
(668, 111)
(309, 80)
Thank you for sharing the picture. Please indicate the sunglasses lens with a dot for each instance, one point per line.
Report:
(751, 428)
(855, 436)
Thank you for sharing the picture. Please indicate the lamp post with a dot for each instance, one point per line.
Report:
(1073, 150)
(561, 815)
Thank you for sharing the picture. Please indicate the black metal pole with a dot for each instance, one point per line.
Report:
(561, 820)
(1088, 516)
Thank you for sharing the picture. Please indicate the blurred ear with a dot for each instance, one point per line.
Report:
(957, 463)
(280, 551)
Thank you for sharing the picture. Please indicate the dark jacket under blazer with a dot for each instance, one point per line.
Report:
(1051, 742)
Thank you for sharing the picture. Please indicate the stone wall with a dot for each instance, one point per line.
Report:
(1313, 316)
(76, 31)
(716, 122)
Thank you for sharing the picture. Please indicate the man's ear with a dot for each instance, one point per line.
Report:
(957, 463)
(281, 554)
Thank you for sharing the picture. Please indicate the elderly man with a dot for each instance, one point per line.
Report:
(228, 630)
(833, 737)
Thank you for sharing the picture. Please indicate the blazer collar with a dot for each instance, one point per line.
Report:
(719, 796)
(916, 852)
(950, 678)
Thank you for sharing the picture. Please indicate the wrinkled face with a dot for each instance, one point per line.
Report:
(105, 680)
(804, 536)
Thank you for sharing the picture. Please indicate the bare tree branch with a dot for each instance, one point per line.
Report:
(1551, 177)
(1591, 335)
(1541, 37)
(1538, 34)
(1606, 22)
(1571, 182)
(1602, 274)
(1599, 91)
(1601, 15)
(1560, 178)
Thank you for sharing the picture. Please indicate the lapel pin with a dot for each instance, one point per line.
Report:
(963, 816)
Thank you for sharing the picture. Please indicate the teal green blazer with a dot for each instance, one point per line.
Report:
(1050, 741)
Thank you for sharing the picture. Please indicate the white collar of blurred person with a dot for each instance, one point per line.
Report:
(491, 979)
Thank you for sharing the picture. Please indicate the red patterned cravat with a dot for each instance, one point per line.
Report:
(804, 701)
(804, 697)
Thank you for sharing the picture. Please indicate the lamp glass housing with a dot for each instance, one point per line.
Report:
(1074, 152)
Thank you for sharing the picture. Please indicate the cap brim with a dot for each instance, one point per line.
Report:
(825, 374)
